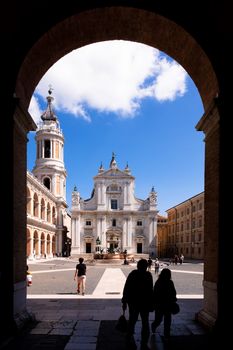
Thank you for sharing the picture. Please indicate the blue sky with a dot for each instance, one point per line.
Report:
(135, 101)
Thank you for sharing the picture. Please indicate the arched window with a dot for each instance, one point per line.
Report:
(54, 215)
(48, 213)
(35, 205)
(29, 201)
(42, 209)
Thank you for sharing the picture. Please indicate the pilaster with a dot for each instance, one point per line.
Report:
(209, 124)
(23, 123)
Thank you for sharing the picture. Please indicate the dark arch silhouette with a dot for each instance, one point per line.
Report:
(187, 32)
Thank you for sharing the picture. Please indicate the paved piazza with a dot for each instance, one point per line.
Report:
(65, 320)
(56, 278)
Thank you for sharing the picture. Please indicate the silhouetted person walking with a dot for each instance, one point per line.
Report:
(164, 296)
(138, 294)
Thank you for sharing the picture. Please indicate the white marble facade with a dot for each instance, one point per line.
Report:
(113, 219)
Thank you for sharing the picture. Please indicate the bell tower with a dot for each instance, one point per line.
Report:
(49, 167)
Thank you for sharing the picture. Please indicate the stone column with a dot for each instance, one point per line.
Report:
(31, 246)
(152, 235)
(125, 193)
(129, 233)
(42, 148)
(78, 238)
(98, 194)
(98, 228)
(75, 237)
(124, 233)
(209, 124)
(103, 229)
(46, 245)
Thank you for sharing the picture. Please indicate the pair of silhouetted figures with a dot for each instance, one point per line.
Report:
(142, 298)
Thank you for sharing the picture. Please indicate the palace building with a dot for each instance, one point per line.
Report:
(185, 228)
(48, 221)
(113, 220)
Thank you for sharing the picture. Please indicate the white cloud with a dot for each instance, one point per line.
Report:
(171, 82)
(112, 76)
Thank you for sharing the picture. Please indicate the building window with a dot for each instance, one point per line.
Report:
(88, 222)
(47, 149)
(113, 203)
(114, 222)
(139, 223)
(200, 222)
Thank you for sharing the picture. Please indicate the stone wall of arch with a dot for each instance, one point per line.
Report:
(151, 27)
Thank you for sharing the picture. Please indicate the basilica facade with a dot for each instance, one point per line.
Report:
(113, 220)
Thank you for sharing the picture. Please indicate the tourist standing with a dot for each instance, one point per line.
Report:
(80, 274)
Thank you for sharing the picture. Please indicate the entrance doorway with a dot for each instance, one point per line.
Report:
(88, 247)
(139, 248)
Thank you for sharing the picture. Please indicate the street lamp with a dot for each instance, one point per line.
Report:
(67, 247)
(98, 243)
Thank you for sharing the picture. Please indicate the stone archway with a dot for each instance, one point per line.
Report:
(147, 27)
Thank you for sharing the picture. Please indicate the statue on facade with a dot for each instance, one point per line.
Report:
(153, 197)
(75, 197)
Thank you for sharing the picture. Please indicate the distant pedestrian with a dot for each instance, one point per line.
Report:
(80, 274)
(29, 277)
(138, 295)
(181, 259)
(150, 262)
(164, 296)
(157, 266)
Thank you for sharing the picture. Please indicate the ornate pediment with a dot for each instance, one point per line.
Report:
(114, 173)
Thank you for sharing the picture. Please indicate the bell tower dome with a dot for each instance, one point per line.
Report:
(49, 167)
